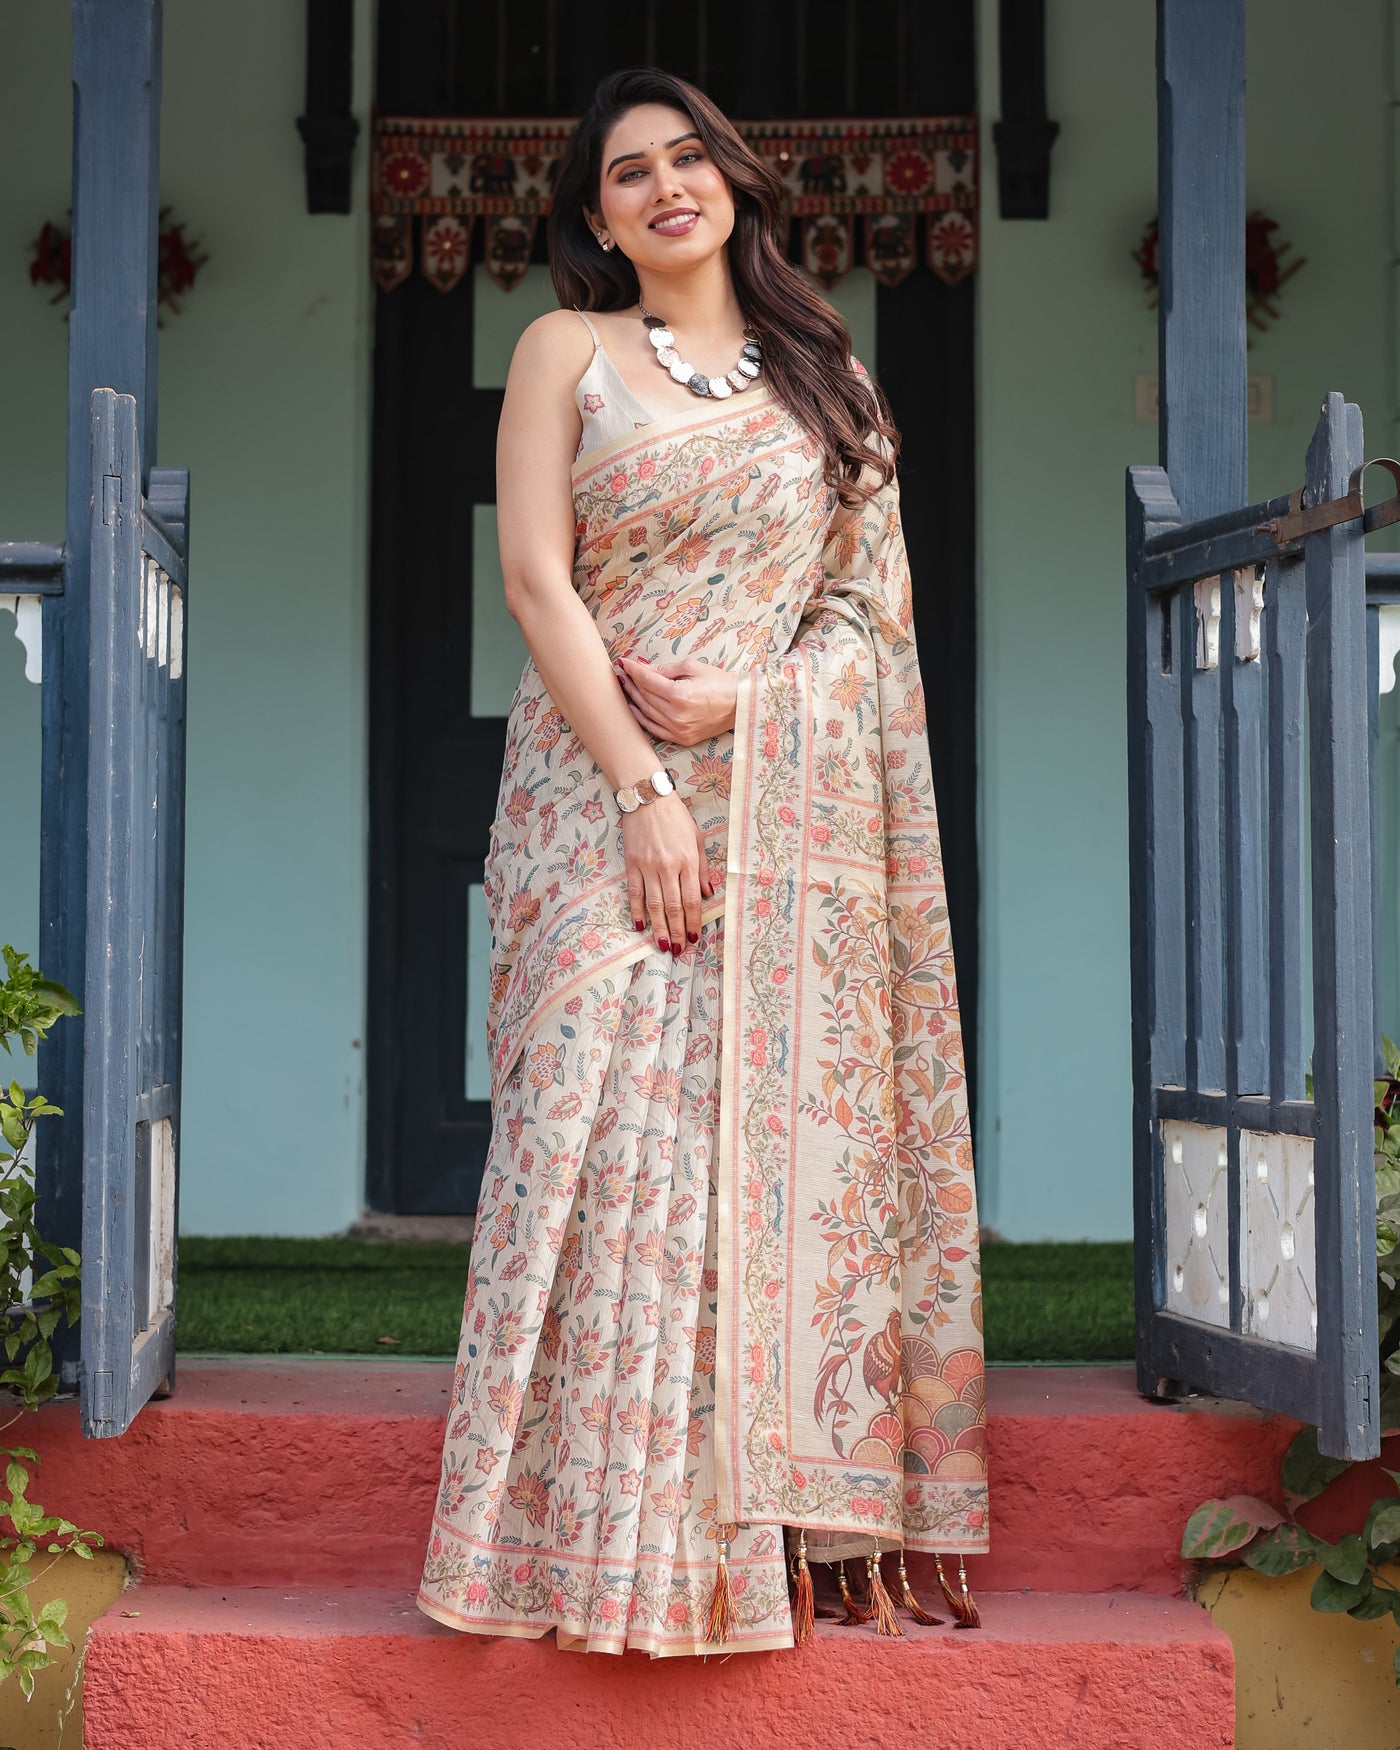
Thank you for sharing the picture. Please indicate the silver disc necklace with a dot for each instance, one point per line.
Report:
(750, 361)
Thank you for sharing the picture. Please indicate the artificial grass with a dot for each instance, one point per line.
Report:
(251, 1295)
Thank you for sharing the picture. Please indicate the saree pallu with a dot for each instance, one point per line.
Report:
(726, 1274)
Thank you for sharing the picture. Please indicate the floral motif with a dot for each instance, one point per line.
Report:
(730, 1277)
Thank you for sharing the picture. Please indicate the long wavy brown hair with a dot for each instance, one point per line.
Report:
(806, 345)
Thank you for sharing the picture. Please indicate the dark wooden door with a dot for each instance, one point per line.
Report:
(436, 747)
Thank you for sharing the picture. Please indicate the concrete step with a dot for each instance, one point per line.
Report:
(174, 1668)
(253, 1473)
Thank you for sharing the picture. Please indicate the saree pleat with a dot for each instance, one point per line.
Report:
(578, 1486)
(725, 1280)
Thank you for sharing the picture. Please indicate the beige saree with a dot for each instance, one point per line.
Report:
(725, 1279)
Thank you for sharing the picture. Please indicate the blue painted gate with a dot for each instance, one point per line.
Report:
(136, 783)
(1253, 1033)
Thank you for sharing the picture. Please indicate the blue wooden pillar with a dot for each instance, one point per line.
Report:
(111, 344)
(1202, 381)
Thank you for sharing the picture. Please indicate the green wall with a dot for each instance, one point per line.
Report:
(264, 395)
(1063, 331)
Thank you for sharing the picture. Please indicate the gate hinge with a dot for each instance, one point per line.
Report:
(100, 1395)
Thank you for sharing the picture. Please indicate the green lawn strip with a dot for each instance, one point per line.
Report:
(1058, 1301)
(251, 1295)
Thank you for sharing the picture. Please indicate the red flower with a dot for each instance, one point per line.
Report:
(404, 174)
(906, 172)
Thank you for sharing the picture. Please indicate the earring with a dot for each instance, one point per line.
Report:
(606, 242)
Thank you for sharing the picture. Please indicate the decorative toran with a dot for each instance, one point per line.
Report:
(893, 175)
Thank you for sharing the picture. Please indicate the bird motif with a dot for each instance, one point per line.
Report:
(881, 1363)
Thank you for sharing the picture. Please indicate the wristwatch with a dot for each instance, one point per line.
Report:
(631, 797)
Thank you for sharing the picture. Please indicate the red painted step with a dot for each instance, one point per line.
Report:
(298, 1669)
(326, 1471)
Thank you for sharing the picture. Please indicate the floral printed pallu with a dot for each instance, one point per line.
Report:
(726, 1275)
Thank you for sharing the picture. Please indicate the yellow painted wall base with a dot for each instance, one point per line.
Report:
(1304, 1680)
(53, 1719)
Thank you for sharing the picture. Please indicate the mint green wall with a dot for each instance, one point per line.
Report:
(1063, 329)
(264, 395)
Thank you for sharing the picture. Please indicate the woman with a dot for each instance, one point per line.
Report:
(724, 1306)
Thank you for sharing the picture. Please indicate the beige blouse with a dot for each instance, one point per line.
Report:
(606, 405)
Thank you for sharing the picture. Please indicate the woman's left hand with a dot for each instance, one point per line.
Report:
(683, 702)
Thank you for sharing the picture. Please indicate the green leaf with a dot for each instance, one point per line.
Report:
(1306, 1471)
(56, 996)
(1283, 1550)
(1217, 1528)
(1334, 1596)
(1370, 1608)
(1344, 1561)
(1383, 1521)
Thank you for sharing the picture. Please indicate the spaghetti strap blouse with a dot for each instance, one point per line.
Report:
(606, 405)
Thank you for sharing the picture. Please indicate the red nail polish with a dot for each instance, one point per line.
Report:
(664, 945)
(637, 924)
(691, 936)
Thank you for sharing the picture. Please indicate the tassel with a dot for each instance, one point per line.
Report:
(804, 1608)
(719, 1614)
(965, 1611)
(910, 1602)
(881, 1604)
(855, 1613)
(971, 1615)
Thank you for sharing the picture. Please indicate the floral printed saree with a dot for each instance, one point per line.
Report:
(725, 1279)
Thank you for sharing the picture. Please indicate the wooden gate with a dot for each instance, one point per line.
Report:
(1252, 913)
(136, 785)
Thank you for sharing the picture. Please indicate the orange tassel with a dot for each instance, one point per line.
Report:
(720, 1620)
(804, 1608)
(910, 1602)
(886, 1622)
(855, 1613)
(965, 1611)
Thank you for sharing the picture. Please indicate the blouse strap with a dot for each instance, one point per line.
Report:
(597, 338)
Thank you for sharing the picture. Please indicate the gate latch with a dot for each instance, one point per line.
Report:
(1302, 519)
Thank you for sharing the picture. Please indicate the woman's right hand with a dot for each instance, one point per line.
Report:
(667, 871)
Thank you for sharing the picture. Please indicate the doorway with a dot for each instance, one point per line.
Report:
(445, 656)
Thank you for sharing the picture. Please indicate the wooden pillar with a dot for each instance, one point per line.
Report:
(111, 344)
(1025, 133)
(328, 129)
(1200, 204)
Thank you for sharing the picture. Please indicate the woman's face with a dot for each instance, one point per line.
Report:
(663, 201)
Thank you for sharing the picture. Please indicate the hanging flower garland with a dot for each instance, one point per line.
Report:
(177, 261)
(1267, 268)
